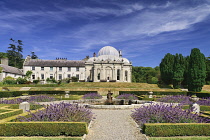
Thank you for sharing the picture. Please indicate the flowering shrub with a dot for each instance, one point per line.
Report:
(183, 100)
(41, 98)
(165, 114)
(12, 101)
(92, 96)
(60, 112)
(127, 96)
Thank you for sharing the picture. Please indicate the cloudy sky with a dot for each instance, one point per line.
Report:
(145, 30)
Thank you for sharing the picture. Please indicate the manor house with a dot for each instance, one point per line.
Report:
(106, 66)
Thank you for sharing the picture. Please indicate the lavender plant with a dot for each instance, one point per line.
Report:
(12, 101)
(92, 96)
(127, 96)
(165, 114)
(60, 112)
(41, 98)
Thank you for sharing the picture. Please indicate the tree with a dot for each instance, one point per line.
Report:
(166, 68)
(3, 55)
(15, 53)
(208, 70)
(178, 70)
(196, 71)
(28, 74)
(33, 56)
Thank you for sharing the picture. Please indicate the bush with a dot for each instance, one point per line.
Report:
(21, 80)
(127, 96)
(165, 114)
(92, 96)
(10, 113)
(74, 79)
(176, 129)
(60, 112)
(36, 81)
(43, 128)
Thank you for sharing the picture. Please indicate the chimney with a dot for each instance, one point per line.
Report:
(4, 61)
(120, 53)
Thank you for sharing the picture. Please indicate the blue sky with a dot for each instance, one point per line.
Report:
(145, 30)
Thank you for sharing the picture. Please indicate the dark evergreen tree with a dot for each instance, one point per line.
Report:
(186, 63)
(166, 68)
(15, 53)
(178, 70)
(208, 70)
(33, 55)
(196, 71)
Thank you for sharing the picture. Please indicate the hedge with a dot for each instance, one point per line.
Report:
(138, 93)
(199, 94)
(43, 128)
(176, 129)
(10, 113)
(19, 93)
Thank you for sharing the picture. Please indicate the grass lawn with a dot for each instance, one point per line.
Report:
(179, 138)
(40, 138)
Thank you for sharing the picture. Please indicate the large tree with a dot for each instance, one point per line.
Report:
(178, 70)
(33, 55)
(166, 68)
(196, 71)
(14, 53)
(208, 70)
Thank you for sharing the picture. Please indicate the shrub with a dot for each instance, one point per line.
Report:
(165, 114)
(127, 96)
(92, 96)
(21, 80)
(60, 112)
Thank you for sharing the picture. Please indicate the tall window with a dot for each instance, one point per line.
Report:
(60, 76)
(33, 67)
(77, 68)
(118, 74)
(33, 76)
(77, 75)
(69, 75)
(51, 76)
(51, 68)
(42, 68)
(126, 75)
(99, 76)
(69, 68)
(42, 76)
(60, 68)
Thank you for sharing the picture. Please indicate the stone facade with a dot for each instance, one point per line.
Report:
(108, 66)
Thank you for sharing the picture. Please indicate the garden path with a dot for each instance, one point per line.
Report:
(113, 125)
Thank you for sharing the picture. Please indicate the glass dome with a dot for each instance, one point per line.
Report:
(108, 50)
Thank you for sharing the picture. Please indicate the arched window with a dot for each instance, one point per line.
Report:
(118, 74)
(126, 75)
(99, 76)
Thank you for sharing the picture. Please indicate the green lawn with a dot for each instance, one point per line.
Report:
(179, 138)
(40, 138)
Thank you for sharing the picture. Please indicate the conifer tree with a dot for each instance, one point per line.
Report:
(166, 68)
(196, 71)
(178, 70)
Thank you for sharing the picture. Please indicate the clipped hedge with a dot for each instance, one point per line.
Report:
(176, 129)
(138, 93)
(19, 93)
(10, 113)
(43, 128)
(199, 94)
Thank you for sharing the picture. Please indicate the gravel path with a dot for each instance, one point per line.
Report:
(113, 125)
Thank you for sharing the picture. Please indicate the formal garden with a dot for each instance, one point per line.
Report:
(60, 113)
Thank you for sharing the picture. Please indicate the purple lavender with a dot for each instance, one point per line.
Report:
(12, 101)
(165, 114)
(41, 98)
(127, 96)
(92, 96)
(60, 112)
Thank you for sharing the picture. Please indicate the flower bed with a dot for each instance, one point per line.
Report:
(127, 96)
(92, 96)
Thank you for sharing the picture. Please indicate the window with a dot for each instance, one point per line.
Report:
(126, 75)
(77, 68)
(51, 76)
(77, 75)
(98, 76)
(42, 76)
(60, 76)
(69, 75)
(33, 67)
(118, 74)
(60, 68)
(42, 68)
(33, 76)
(51, 68)
(15, 75)
(69, 68)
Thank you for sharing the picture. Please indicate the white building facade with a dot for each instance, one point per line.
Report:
(108, 66)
